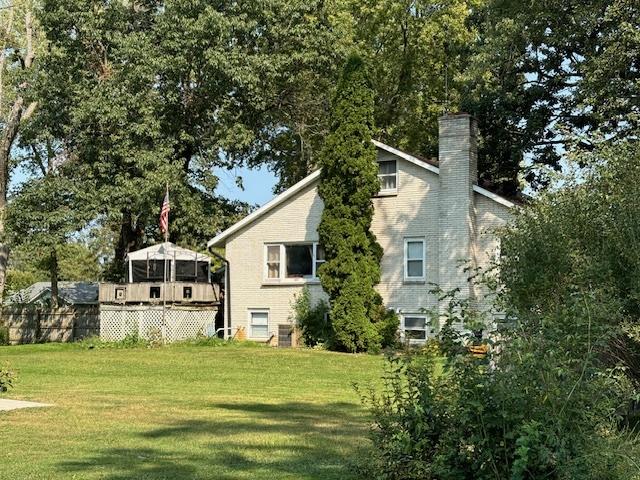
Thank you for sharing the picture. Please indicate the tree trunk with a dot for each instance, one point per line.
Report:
(9, 134)
(8, 137)
(129, 239)
(53, 269)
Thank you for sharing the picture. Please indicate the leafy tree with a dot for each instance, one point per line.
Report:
(347, 183)
(76, 262)
(416, 49)
(584, 237)
(43, 217)
(144, 93)
(545, 77)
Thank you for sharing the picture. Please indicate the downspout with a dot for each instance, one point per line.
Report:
(227, 290)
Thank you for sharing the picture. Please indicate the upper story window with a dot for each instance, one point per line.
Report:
(414, 259)
(294, 262)
(388, 175)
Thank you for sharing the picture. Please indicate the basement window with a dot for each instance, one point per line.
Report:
(259, 323)
(415, 328)
(187, 292)
(154, 292)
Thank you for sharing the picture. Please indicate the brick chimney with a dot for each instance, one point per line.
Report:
(458, 159)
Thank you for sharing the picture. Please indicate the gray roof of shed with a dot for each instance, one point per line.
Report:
(73, 293)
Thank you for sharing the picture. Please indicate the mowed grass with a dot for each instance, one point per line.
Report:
(184, 412)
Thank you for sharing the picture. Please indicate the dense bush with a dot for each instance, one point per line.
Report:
(544, 407)
(585, 237)
(386, 323)
(313, 321)
(7, 378)
(4, 335)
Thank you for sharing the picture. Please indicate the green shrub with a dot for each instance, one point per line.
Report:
(7, 378)
(131, 340)
(313, 321)
(4, 335)
(387, 324)
(544, 407)
(585, 237)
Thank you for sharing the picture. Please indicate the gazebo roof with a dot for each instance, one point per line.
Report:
(167, 250)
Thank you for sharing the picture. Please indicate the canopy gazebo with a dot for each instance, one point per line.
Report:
(168, 262)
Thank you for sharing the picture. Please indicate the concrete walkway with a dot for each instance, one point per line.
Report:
(6, 404)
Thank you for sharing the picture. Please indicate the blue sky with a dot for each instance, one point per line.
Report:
(258, 184)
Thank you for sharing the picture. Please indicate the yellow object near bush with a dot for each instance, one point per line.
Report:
(479, 350)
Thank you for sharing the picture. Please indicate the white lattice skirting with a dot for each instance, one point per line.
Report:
(147, 322)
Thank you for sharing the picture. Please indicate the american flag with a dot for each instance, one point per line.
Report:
(164, 214)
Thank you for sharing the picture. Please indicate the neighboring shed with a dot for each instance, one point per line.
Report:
(69, 293)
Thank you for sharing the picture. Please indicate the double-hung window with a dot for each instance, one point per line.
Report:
(414, 259)
(292, 262)
(388, 176)
(259, 323)
(415, 328)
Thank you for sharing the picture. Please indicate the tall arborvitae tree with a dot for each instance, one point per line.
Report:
(347, 183)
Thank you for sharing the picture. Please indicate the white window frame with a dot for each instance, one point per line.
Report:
(250, 313)
(422, 277)
(283, 263)
(380, 175)
(316, 261)
(427, 327)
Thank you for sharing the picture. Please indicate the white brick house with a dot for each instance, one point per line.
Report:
(429, 218)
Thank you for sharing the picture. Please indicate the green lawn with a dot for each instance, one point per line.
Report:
(184, 412)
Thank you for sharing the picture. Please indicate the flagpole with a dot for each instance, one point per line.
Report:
(164, 276)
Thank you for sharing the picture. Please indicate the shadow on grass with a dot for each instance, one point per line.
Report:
(248, 440)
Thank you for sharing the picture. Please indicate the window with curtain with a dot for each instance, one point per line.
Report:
(388, 175)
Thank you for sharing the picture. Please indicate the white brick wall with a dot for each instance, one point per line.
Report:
(293, 221)
(413, 212)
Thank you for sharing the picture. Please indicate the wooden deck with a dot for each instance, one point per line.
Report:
(152, 292)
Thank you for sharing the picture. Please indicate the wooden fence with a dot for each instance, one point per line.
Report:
(28, 324)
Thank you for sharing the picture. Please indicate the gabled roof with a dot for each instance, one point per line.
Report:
(288, 193)
(430, 165)
(73, 293)
(166, 250)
